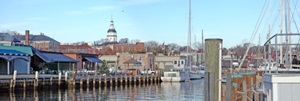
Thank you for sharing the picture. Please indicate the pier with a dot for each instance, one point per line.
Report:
(68, 80)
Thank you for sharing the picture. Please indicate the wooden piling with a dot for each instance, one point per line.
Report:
(24, 84)
(116, 80)
(126, 79)
(105, 79)
(111, 81)
(87, 79)
(80, 81)
(94, 80)
(51, 81)
(59, 79)
(99, 80)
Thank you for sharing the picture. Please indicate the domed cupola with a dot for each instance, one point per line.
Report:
(111, 32)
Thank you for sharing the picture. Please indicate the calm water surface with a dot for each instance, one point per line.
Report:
(185, 91)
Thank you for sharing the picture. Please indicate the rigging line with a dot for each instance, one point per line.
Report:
(294, 20)
(253, 34)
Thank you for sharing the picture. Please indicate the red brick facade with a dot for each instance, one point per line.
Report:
(84, 48)
(123, 48)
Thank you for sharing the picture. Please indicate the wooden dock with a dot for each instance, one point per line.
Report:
(36, 81)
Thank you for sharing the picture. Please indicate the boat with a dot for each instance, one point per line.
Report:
(176, 75)
(202, 71)
(195, 73)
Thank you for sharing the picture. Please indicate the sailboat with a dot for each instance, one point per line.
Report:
(194, 70)
(181, 74)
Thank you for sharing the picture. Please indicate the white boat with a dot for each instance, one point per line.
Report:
(176, 76)
(202, 71)
(195, 73)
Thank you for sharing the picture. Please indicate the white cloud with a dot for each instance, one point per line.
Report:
(93, 9)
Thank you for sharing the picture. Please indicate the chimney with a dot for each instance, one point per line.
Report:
(26, 37)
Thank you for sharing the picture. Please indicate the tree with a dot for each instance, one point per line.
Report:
(101, 41)
(104, 67)
(184, 49)
(173, 46)
(123, 41)
(151, 44)
(134, 41)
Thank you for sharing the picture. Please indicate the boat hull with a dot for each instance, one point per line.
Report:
(175, 77)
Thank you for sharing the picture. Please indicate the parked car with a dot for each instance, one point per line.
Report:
(148, 71)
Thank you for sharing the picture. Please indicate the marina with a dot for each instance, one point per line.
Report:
(165, 91)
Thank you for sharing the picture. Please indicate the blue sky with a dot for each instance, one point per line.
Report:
(166, 21)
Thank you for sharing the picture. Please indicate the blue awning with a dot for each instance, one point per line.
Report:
(41, 55)
(58, 57)
(12, 52)
(92, 59)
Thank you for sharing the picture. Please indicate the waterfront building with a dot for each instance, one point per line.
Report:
(51, 62)
(85, 62)
(170, 62)
(40, 42)
(79, 48)
(123, 61)
(15, 58)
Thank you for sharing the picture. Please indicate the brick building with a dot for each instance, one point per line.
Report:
(112, 49)
(79, 48)
(40, 42)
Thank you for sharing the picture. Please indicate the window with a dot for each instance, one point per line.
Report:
(175, 62)
(181, 62)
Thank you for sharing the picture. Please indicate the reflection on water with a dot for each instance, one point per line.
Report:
(192, 90)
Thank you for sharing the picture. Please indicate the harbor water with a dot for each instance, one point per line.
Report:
(165, 91)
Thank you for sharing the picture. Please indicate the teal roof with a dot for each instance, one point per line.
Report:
(22, 49)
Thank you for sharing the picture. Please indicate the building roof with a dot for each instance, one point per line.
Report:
(37, 38)
(92, 59)
(132, 61)
(12, 52)
(58, 57)
(10, 37)
(5, 36)
(20, 49)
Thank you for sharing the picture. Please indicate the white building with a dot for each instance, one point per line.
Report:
(112, 33)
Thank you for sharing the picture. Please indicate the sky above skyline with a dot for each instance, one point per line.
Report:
(69, 21)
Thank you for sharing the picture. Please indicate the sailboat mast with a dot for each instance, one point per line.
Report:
(281, 50)
(189, 34)
(202, 48)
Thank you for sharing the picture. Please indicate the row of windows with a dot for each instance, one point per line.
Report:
(175, 62)
(112, 38)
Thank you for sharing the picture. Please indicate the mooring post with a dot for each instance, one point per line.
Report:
(125, 79)
(51, 81)
(213, 61)
(121, 79)
(130, 77)
(24, 84)
(87, 79)
(140, 80)
(111, 79)
(14, 78)
(66, 76)
(94, 80)
(105, 79)
(36, 79)
(134, 79)
(59, 78)
(116, 80)
(80, 81)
